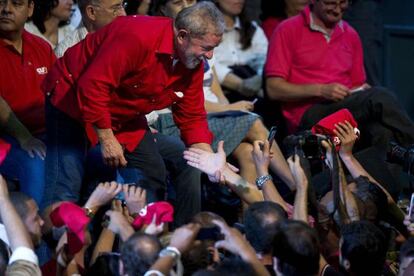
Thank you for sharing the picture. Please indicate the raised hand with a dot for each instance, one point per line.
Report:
(210, 163)
(261, 156)
(345, 132)
(297, 170)
(183, 237)
(103, 194)
(135, 197)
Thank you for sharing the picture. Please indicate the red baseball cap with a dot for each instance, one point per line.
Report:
(4, 150)
(75, 219)
(162, 209)
(326, 126)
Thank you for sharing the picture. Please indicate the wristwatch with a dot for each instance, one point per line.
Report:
(261, 180)
(171, 251)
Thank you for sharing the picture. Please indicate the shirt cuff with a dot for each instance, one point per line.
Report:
(25, 254)
(103, 123)
(203, 136)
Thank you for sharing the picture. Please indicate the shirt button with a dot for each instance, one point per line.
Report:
(153, 100)
(136, 86)
(29, 63)
(57, 81)
(70, 75)
(48, 93)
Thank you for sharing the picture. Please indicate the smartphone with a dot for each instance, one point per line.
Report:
(411, 207)
(272, 134)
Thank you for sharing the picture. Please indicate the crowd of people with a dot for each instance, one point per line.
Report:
(134, 140)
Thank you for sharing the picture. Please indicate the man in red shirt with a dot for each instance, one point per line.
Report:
(25, 61)
(315, 67)
(115, 76)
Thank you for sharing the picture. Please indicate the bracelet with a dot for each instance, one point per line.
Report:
(261, 180)
(171, 251)
(153, 272)
(89, 212)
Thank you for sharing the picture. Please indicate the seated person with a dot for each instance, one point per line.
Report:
(244, 44)
(50, 20)
(26, 59)
(315, 67)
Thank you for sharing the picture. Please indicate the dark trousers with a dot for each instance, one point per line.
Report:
(66, 157)
(380, 117)
(148, 165)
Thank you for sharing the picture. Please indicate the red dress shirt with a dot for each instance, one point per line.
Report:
(301, 55)
(125, 70)
(21, 78)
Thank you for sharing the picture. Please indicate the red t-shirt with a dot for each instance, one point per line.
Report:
(21, 78)
(301, 55)
(125, 70)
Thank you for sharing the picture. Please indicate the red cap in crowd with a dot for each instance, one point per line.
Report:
(326, 126)
(75, 219)
(162, 209)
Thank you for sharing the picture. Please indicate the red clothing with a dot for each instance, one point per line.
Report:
(21, 78)
(301, 55)
(118, 74)
(270, 24)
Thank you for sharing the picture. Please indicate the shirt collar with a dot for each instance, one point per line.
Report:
(166, 45)
(25, 39)
(308, 15)
(236, 26)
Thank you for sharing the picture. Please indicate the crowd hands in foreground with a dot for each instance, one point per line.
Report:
(276, 238)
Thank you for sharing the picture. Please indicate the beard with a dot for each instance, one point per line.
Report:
(191, 61)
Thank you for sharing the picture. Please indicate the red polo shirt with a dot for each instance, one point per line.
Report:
(118, 74)
(21, 78)
(301, 55)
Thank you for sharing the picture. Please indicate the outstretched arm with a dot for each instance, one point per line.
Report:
(214, 165)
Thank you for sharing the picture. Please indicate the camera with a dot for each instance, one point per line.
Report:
(402, 156)
(305, 144)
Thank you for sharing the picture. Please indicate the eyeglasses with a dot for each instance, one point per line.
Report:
(115, 9)
(331, 5)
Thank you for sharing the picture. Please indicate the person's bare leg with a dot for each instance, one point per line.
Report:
(243, 155)
(278, 164)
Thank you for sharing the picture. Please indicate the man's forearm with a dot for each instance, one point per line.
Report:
(280, 89)
(203, 146)
(246, 191)
(11, 124)
(300, 212)
(104, 134)
(15, 229)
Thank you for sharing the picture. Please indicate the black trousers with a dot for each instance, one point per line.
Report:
(152, 158)
(380, 117)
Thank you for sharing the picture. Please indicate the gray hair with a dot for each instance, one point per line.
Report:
(200, 19)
